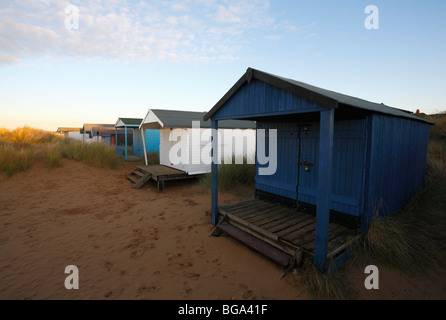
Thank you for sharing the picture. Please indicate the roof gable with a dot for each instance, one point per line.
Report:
(322, 97)
(158, 118)
(128, 122)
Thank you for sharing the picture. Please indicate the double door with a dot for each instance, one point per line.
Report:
(296, 177)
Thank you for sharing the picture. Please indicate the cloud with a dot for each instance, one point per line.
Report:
(245, 13)
(4, 60)
(190, 30)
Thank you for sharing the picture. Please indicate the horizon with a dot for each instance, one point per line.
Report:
(66, 63)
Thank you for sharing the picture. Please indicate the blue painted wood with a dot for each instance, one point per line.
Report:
(116, 139)
(348, 166)
(138, 146)
(397, 166)
(338, 262)
(152, 138)
(214, 173)
(119, 150)
(259, 99)
(324, 188)
(294, 182)
(284, 181)
(309, 152)
(126, 143)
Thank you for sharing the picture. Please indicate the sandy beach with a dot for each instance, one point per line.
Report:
(140, 244)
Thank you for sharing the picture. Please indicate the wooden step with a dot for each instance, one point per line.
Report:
(141, 181)
(256, 244)
(132, 178)
(139, 173)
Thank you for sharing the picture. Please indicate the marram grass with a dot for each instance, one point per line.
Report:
(97, 154)
(20, 148)
(231, 175)
(324, 286)
(14, 159)
(26, 136)
(53, 156)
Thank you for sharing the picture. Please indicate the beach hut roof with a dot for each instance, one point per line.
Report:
(68, 129)
(87, 126)
(128, 122)
(322, 97)
(107, 131)
(157, 118)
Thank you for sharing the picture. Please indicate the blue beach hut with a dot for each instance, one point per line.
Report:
(139, 137)
(341, 161)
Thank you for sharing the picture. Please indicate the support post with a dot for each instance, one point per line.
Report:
(214, 173)
(116, 139)
(125, 142)
(144, 145)
(324, 188)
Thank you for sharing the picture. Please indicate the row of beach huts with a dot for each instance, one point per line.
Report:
(341, 162)
(134, 138)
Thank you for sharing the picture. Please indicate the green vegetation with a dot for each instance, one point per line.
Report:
(27, 136)
(21, 147)
(324, 286)
(97, 154)
(14, 159)
(231, 176)
(153, 158)
(53, 156)
(16, 151)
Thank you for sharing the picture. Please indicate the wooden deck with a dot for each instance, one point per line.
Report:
(283, 228)
(131, 158)
(159, 173)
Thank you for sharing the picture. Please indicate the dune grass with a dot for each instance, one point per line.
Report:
(15, 159)
(98, 154)
(319, 285)
(153, 158)
(21, 147)
(16, 152)
(53, 156)
(231, 176)
(27, 136)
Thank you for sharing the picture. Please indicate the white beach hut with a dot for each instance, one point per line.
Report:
(185, 139)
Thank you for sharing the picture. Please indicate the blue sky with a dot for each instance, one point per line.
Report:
(127, 56)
